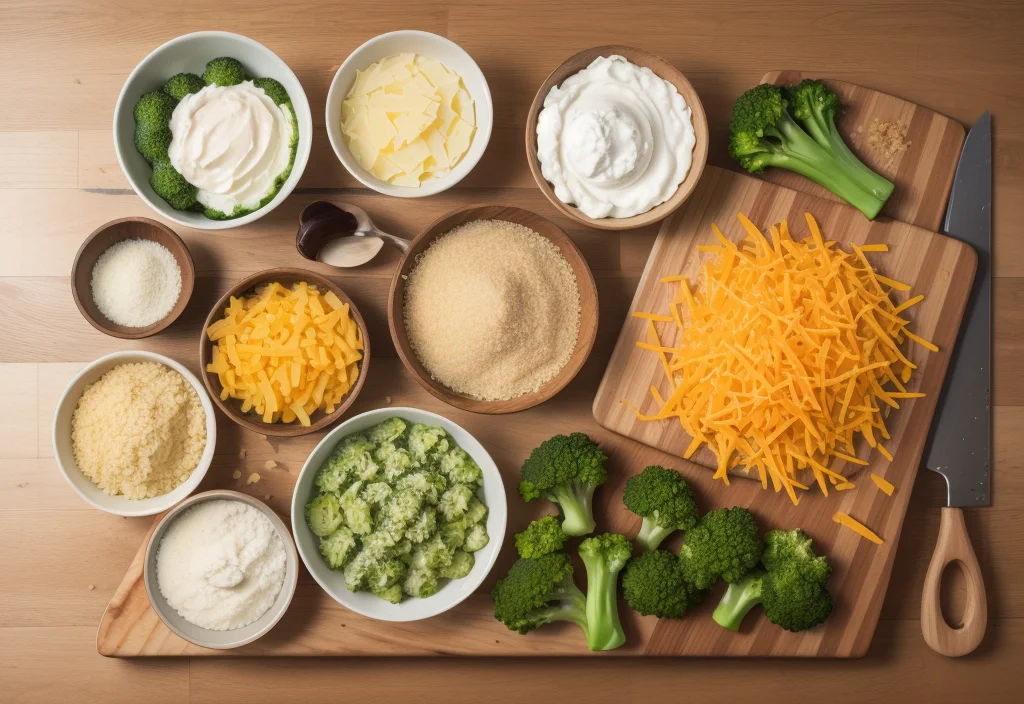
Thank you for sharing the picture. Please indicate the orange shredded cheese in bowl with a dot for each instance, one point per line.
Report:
(786, 352)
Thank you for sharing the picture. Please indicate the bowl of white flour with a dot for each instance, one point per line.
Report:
(221, 569)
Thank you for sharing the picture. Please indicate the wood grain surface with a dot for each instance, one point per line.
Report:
(61, 562)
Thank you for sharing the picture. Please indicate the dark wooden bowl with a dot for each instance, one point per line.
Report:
(663, 69)
(584, 280)
(101, 239)
(232, 407)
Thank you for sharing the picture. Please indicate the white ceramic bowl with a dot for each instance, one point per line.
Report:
(190, 53)
(204, 637)
(454, 58)
(454, 591)
(83, 486)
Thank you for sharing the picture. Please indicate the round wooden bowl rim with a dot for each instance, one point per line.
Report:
(187, 280)
(213, 384)
(584, 341)
(643, 58)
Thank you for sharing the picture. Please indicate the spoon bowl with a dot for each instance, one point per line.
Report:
(341, 235)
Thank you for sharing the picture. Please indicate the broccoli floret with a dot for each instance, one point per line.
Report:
(453, 533)
(460, 468)
(420, 582)
(455, 501)
(324, 514)
(152, 114)
(357, 512)
(565, 470)
(653, 585)
(392, 593)
(791, 587)
(224, 71)
(477, 511)
(337, 547)
(359, 569)
(172, 186)
(351, 460)
(604, 556)
(429, 485)
(461, 565)
(664, 500)
(723, 545)
(764, 132)
(395, 461)
(476, 538)
(386, 572)
(182, 84)
(541, 537)
(423, 527)
(386, 431)
(276, 92)
(432, 554)
(539, 591)
(403, 508)
(422, 439)
(376, 493)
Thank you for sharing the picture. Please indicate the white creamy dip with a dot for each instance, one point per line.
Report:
(230, 142)
(615, 140)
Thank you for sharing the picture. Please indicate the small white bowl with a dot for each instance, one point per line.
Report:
(455, 58)
(83, 486)
(204, 637)
(190, 53)
(454, 591)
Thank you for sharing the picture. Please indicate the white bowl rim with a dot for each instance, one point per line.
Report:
(298, 513)
(433, 186)
(301, 156)
(197, 474)
(288, 587)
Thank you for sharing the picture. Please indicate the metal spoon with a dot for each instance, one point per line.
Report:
(341, 234)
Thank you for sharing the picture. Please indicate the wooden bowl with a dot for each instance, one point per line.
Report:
(232, 407)
(584, 280)
(100, 241)
(663, 69)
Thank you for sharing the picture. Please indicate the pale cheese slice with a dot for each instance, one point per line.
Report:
(464, 107)
(458, 140)
(410, 156)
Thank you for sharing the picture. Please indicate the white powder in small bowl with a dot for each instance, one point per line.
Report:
(136, 282)
(221, 564)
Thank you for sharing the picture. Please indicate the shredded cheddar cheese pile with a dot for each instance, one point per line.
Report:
(789, 350)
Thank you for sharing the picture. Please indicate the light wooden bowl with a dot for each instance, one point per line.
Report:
(584, 280)
(101, 239)
(232, 407)
(663, 69)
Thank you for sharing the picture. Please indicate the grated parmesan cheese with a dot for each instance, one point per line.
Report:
(136, 282)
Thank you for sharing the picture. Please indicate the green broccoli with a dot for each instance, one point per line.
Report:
(392, 593)
(224, 71)
(358, 515)
(764, 132)
(539, 591)
(172, 186)
(460, 468)
(476, 538)
(665, 502)
(324, 514)
(420, 582)
(604, 556)
(791, 588)
(723, 545)
(386, 431)
(275, 91)
(455, 501)
(541, 537)
(395, 461)
(422, 439)
(477, 511)
(428, 484)
(453, 533)
(376, 493)
(423, 527)
(565, 470)
(461, 565)
(182, 84)
(653, 585)
(338, 547)
(152, 114)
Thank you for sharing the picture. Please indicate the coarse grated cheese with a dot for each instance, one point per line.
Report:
(884, 485)
(857, 527)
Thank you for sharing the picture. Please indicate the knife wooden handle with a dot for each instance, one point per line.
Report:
(953, 545)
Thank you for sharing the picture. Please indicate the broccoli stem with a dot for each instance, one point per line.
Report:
(739, 599)
(651, 535)
(823, 130)
(568, 604)
(605, 630)
(577, 511)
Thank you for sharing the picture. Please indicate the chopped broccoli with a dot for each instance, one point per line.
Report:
(358, 515)
(460, 468)
(324, 514)
(476, 538)
(423, 527)
(153, 136)
(420, 582)
(604, 556)
(376, 493)
(172, 186)
(653, 585)
(224, 71)
(395, 461)
(338, 547)
(276, 92)
(664, 500)
(477, 511)
(723, 545)
(541, 537)
(428, 484)
(403, 508)
(433, 554)
(764, 132)
(360, 568)
(455, 501)
(539, 591)
(565, 470)
(182, 84)
(792, 587)
(453, 533)
(392, 593)
(422, 439)
(461, 565)
(386, 431)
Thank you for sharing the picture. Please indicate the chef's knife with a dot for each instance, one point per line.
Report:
(961, 435)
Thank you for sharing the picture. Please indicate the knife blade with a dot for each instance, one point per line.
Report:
(959, 448)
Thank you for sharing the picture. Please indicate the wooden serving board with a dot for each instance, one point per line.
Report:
(923, 174)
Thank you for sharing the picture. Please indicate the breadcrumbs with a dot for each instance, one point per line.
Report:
(888, 139)
(139, 431)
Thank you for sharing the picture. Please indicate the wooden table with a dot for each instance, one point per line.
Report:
(63, 65)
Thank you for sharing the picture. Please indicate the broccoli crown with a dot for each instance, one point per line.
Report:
(565, 470)
(811, 98)
(538, 591)
(152, 126)
(653, 585)
(723, 545)
(172, 186)
(274, 90)
(665, 502)
(541, 537)
(793, 546)
(759, 110)
(182, 84)
(608, 552)
(224, 71)
(154, 109)
(795, 597)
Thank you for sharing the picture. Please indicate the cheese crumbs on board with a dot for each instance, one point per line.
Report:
(284, 353)
(786, 352)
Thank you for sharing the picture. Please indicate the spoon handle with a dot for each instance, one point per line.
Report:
(399, 243)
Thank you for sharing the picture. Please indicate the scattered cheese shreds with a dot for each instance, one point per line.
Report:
(269, 464)
(885, 486)
(856, 526)
(253, 478)
(786, 351)
(237, 474)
